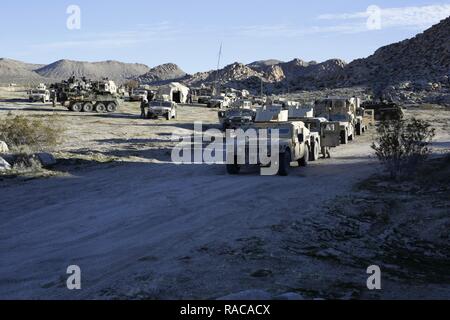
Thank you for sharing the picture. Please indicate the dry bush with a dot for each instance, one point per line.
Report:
(403, 144)
(26, 135)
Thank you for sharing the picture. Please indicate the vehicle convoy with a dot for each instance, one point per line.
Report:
(82, 95)
(342, 110)
(138, 95)
(162, 108)
(293, 146)
(41, 95)
(384, 111)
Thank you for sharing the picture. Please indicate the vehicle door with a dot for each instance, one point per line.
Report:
(330, 134)
(369, 117)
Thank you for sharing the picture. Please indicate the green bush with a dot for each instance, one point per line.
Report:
(403, 144)
(22, 134)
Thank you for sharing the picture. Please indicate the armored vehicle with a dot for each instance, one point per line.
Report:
(220, 102)
(293, 142)
(161, 108)
(324, 134)
(87, 96)
(384, 111)
(41, 95)
(236, 118)
(138, 95)
(342, 110)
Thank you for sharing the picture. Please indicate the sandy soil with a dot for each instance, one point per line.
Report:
(141, 227)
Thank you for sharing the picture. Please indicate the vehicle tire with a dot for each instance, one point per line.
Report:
(315, 152)
(111, 107)
(351, 138)
(100, 108)
(233, 168)
(88, 107)
(285, 163)
(303, 162)
(344, 138)
(76, 107)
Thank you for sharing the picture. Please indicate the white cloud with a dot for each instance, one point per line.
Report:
(111, 40)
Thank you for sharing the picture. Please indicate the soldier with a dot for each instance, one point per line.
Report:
(144, 107)
(326, 153)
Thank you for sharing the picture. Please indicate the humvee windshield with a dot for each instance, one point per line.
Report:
(165, 104)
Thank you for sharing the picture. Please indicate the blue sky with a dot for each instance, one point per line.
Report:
(189, 33)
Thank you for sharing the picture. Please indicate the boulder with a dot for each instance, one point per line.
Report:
(4, 165)
(3, 147)
(46, 159)
(248, 295)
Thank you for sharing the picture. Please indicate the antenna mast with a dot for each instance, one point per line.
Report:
(218, 82)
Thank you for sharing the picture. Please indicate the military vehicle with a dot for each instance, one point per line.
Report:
(220, 102)
(384, 111)
(82, 95)
(138, 95)
(293, 143)
(41, 95)
(162, 108)
(236, 118)
(324, 133)
(342, 110)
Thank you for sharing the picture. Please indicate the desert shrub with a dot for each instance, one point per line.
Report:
(22, 134)
(403, 144)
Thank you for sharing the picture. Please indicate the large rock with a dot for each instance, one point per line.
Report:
(4, 165)
(3, 147)
(249, 295)
(46, 159)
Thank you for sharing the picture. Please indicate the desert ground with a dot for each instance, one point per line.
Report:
(141, 227)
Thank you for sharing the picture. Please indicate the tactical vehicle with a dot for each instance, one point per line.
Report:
(293, 143)
(41, 95)
(161, 108)
(342, 110)
(324, 134)
(236, 118)
(82, 95)
(220, 102)
(138, 95)
(384, 111)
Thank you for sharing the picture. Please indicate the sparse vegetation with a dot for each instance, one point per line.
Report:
(402, 145)
(25, 135)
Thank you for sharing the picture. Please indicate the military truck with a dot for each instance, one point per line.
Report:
(220, 102)
(41, 95)
(241, 114)
(236, 118)
(82, 95)
(138, 95)
(342, 110)
(324, 134)
(162, 108)
(293, 144)
(384, 111)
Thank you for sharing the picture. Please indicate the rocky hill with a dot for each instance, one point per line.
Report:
(426, 57)
(163, 73)
(114, 70)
